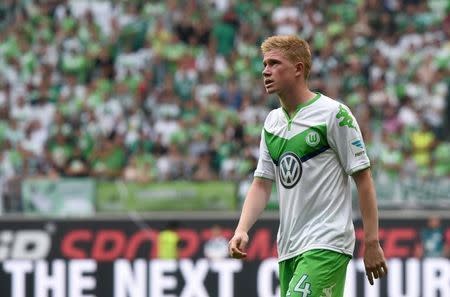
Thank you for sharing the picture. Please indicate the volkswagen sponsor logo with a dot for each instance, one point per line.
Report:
(290, 168)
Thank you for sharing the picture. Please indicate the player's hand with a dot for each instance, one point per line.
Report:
(374, 261)
(237, 245)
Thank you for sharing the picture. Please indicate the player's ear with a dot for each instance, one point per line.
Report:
(299, 69)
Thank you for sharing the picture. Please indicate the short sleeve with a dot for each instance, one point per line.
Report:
(345, 138)
(265, 167)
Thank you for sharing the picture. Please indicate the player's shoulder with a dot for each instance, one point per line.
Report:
(273, 119)
(329, 106)
(326, 103)
(322, 109)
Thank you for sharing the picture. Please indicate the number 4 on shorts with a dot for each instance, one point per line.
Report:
(305, 291)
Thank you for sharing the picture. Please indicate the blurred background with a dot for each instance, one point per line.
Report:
(134, 113)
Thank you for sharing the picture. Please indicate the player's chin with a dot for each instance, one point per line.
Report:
(270, 90)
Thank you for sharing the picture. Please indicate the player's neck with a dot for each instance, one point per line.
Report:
(290, 101)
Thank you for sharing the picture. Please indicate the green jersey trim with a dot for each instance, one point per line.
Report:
(306, 144)
(297, 110)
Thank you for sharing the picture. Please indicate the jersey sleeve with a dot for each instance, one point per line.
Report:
(345, 138)
(265, 167)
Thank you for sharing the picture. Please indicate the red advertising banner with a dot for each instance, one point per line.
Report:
(117, 258)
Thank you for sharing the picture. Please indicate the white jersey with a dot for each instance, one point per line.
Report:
(311, 157)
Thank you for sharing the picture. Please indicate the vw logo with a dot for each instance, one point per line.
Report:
(313, 138)
(290, 170)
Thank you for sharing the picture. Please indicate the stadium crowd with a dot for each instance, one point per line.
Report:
(161, 90)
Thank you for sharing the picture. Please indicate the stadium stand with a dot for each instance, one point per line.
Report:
(151, 91)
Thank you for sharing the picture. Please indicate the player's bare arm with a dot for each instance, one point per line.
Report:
(256, 200)
(374, 261)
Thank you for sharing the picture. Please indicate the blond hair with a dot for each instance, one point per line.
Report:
(292, 47)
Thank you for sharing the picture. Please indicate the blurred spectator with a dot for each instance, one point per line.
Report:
(391, 157)
(168, 242)
(77, 164)
(108, 158)
(137, 170)
(231, 95)
(432, 238)
(286, 18)
(441, 160)
(171, 165)
(408, 115)
(170, 90)
(423, 141)
(216, 247)
(203, 170)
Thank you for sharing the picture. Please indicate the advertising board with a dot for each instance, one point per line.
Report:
(117, 258)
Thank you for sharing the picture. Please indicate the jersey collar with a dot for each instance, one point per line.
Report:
(301, 106)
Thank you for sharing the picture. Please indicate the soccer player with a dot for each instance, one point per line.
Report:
(310, 147)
